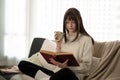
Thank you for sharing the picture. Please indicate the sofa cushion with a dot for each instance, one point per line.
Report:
(36, 45)
(21, 77)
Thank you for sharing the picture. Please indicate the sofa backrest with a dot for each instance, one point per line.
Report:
(100, 48)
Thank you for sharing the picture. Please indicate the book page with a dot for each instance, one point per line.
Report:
(49, 45)
(48, 52)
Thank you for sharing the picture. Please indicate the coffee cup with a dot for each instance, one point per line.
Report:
(58, 35)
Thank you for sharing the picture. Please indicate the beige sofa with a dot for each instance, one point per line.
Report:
(108, 67)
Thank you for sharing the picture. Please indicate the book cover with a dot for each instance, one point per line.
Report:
(59, 56)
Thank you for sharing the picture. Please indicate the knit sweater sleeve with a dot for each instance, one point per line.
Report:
(85, 56)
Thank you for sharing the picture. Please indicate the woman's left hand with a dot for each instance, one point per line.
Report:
(61, 65)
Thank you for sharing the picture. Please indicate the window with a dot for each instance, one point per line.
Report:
(99, 17)
(15, 28)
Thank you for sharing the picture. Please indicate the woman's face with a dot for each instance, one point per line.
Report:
(70, 26)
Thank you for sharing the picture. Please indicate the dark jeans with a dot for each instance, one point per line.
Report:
(31, 69)
(64, 74)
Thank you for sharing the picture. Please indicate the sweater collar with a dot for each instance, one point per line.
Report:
(70, 38)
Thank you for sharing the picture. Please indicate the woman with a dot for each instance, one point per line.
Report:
(77, 41)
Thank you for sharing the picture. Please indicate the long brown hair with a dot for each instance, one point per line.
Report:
(74, 14)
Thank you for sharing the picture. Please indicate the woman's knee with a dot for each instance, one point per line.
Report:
(22, 64)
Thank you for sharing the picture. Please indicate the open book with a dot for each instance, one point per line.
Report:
(59, 56)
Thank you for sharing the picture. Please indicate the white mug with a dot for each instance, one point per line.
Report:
(58, 35)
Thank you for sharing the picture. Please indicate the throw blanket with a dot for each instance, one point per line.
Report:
(108, 68)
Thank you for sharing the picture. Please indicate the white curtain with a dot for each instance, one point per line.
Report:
(14, 31)
(1, 31)
(99, 17)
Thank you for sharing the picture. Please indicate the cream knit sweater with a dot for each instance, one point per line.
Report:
(82, 49)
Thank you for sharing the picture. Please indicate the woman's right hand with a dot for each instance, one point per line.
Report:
(57, 40)
(58, 45)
